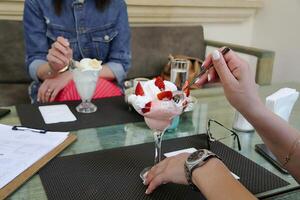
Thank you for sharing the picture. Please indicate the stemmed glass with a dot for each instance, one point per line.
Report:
(86, 81)
(158, 119)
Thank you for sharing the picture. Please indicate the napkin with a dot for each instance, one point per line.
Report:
(56, 113)
(282, 102)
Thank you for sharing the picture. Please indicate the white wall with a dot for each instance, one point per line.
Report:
(236, 33)
(277, 27)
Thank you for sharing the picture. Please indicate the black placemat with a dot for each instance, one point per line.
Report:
(114, 173)
(110, 111)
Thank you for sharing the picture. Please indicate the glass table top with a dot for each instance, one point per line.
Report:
(211, 103)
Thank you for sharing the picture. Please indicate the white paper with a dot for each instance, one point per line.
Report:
(191, 150)
(174, 153)
(56, 113)
(21, 149)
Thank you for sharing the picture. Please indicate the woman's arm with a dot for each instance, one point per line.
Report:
(240, 90)
(119, 57)
(213, 178)
(278, 135)
(42, 62)
(36, 45)
(215, 181)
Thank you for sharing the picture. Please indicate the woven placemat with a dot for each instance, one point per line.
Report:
(111, 111)
(114, 173)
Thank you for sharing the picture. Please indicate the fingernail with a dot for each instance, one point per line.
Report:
(216, 55)
(147, 191)
(208, 77)
(144, 182)
(38, 100)
(145, 174)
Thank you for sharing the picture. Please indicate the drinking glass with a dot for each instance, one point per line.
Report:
(85, 81)
(179, 72)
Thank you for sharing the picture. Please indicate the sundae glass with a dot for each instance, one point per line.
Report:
(85, 76)
(158, 101)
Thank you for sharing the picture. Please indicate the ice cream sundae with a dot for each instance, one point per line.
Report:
(85, 76)
(154, 100)
(158, 102)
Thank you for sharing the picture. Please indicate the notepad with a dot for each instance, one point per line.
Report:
(56, 114)
(20, 149)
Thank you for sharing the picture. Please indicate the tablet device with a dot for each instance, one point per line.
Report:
(4, 112)
(268, 155)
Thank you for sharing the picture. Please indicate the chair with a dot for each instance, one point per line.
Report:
(14, 80)
(152, 45)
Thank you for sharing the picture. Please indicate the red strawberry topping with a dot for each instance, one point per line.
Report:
(187, 92)
(139, 90)
(186, 88)
(147, 107)
(160, 83)
(165, 95)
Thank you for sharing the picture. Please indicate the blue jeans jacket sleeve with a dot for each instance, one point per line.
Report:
(36, 41)
(120, 54)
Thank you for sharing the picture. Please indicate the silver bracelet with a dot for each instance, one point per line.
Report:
(291, 151)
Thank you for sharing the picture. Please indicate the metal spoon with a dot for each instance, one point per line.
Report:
(203, 70)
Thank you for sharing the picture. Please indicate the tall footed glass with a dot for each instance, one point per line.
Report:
(86, 81)
(158, 119)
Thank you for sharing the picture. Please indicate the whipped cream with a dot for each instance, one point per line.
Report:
(89, 64)
(151, 92)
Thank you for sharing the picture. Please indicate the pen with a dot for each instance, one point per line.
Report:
(22, 128)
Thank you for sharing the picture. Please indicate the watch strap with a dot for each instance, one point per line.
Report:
(188, 176)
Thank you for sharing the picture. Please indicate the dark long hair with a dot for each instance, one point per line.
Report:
(100, 5)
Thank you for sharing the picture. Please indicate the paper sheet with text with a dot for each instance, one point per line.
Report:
(19, 149)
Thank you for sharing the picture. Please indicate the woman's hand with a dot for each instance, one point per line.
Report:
(236, 78)
(51, 87)
(169, 170)
(60, 54)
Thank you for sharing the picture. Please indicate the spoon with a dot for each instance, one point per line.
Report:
(203, 70)
(72, 64)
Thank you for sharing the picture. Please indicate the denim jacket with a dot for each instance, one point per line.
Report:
(104, 35)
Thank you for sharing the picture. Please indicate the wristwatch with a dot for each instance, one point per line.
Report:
(195, 160)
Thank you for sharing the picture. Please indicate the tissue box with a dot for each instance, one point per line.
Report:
(282, 102)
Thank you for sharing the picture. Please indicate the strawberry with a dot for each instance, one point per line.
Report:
(187, 92)
(160, 83)
(147, 107)
(139, 90)
(185, 85)
(165, 95)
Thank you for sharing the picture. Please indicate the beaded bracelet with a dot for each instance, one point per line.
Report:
(291, 152)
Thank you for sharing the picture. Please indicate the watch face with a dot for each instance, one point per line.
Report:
(196, 155)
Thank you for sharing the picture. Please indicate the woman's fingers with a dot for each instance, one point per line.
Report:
(60, 47)
(57, 57)
(46, 91)
(54, 94)
(47, 95)
(52, 59)
(157, 181)
(63, 41)
(60, 54)
(222, 69)
(155, 170)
